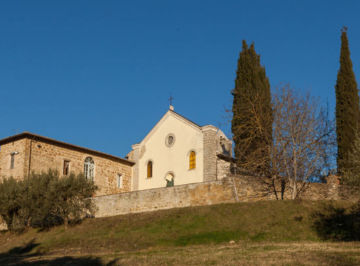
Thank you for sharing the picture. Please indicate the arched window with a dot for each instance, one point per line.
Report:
(119, 181)
(89, 168)
(149, 169)
(192, 160)
(169, 178)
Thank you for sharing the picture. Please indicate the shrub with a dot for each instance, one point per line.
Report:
(11, 202)
(72, 198)
(40, 201)
(333, 223)
(44, 200)
(351, 179)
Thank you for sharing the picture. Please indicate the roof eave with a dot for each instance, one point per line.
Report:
(63, 144)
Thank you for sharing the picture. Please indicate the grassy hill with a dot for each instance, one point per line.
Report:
(201, 228)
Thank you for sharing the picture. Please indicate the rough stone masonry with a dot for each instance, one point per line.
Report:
(228, 190)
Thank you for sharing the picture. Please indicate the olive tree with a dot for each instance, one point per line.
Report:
(45, 199)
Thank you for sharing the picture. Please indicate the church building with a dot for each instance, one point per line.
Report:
(177, 151)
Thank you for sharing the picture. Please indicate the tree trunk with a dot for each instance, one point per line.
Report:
(295, 175)
(274, 187)
(294, 193)
(28, 223)
(66, 222)
(282, 188)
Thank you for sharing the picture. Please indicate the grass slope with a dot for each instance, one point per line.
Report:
(258, 222)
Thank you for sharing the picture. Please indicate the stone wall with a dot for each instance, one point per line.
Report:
(46, 156)
(254, 189)
(216, 144)
(209, 153)
(229, 189)
(19, 170)
(37, 155)
(223, 168)
(197, 194)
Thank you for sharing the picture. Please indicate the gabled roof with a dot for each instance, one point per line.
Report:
(183, 117)
(63, 144)
(176, 115)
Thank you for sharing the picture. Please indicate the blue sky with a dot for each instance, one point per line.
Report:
(99, 73)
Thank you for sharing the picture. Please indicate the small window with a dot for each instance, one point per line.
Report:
(12, 160)
(149, 169)
(66, 167)
(170, 140)
(89, 167)
(119, 181)
(192, 160)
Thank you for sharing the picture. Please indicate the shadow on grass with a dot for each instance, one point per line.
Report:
(334, 223)
(24, 256)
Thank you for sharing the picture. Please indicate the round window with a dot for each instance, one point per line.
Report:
(170, 140)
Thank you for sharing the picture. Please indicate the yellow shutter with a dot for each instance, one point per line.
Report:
(149, 169)
(192, 160)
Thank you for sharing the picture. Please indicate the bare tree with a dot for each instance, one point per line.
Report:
(302, 139)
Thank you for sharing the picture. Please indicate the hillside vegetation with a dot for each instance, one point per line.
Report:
(252, 223)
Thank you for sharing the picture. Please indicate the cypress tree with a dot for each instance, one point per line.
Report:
(252, 114)
(347, 106)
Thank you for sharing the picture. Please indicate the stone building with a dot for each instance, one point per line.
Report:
(26, 152)
(177, 151)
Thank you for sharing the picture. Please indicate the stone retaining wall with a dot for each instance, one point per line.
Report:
(197, 194)
(227, 190)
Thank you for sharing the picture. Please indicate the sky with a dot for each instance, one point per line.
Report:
(99, 74)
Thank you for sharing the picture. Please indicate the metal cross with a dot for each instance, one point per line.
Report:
(171, 99)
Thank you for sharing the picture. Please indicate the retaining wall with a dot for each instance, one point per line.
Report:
(197, 194)
(227, 190)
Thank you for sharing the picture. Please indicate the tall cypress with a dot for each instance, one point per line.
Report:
(252, 113)
(347, 106)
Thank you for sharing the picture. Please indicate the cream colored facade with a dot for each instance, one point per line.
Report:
(172, 160)
(34, 153)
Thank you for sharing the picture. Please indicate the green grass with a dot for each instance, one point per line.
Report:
(275, 221)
